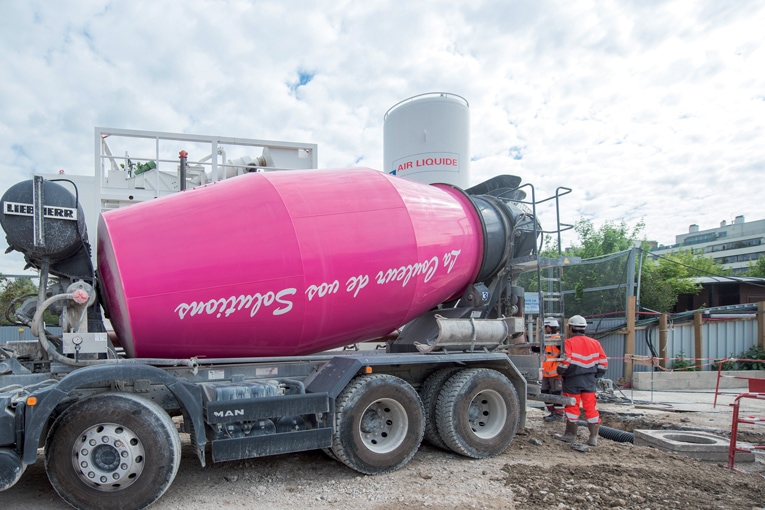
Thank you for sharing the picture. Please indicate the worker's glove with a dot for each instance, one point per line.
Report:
(600, 373)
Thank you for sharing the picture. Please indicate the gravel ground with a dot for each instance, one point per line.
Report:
(537, 472)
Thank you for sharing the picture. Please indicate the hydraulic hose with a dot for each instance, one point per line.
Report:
(54, 354)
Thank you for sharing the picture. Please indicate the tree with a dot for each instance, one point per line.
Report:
(609, 274)
(609, 238)
(11, 289)
(665, 278)
(757, 268)
(593, 242)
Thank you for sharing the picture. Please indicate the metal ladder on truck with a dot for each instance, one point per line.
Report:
(551, 304)
(549, 270)
(551, 298)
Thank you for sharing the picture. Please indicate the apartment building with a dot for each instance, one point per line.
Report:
(734, 245)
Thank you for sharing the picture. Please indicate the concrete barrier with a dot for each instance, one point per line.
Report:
(685, 380)
(695, 444)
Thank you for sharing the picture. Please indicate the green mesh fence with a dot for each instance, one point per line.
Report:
(594, 287)
(597, 286)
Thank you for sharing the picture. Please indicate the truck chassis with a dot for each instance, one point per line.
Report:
(109, 436)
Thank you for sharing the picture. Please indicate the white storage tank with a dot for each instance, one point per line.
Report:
(427, 139)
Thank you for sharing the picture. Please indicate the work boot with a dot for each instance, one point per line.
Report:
(555, 416)
(569, 436)
(593, 428)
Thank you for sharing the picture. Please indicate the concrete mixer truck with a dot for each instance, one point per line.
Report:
(231, 306)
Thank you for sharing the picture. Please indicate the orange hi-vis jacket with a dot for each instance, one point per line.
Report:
(585, 360)
(552, 352)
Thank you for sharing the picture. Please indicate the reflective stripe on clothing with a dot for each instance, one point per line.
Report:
(588, 402)
(586, 361)
(585, 352)
(550, 368)
(584, 356)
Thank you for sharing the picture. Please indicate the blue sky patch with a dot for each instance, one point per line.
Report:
(19, 151)
(304, 78)
(515, 153)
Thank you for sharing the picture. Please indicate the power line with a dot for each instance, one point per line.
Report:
(732, 278)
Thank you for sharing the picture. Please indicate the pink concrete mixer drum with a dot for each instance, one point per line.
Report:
(291, 263)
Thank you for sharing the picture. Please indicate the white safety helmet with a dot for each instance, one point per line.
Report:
(553, 323)
(577, 321)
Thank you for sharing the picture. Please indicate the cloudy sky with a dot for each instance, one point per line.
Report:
(646, 109)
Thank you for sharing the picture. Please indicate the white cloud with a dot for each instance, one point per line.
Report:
(647, 110)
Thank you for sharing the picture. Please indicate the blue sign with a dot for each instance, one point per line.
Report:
(532, 302)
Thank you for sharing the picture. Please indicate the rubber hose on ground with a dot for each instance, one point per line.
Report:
(617, 435)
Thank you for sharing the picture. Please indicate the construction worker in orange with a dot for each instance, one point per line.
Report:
(552, 382)
(584, 361)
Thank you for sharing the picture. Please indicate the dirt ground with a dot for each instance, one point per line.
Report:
(537, 472)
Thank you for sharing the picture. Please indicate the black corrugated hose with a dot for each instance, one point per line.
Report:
(617, 435)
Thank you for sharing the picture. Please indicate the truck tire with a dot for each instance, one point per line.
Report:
(112, 450)
(379, 422)
(429, 394)
(477, 413)
(329, 453)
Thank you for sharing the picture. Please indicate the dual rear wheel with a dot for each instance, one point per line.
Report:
(473, 412)
(380, 420)
(477, 413)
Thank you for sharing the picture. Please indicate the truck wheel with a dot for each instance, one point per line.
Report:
(477, 413)
(112, 450)
(329, 453)
(429, 394)
(379, 423)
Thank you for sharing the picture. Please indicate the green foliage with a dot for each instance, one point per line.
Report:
(528, 280)
(656, 293)
(726, 365)
(754, 353)
(680, 363)
(549, 247)
(594, 242)
(609, 238)
(690, 265)
(757, 268)
(665, 278)
(11, 289)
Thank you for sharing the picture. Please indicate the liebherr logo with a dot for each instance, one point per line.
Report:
(58, 213)
(228, 413)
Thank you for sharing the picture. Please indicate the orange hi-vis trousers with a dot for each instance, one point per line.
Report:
(588, 402)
